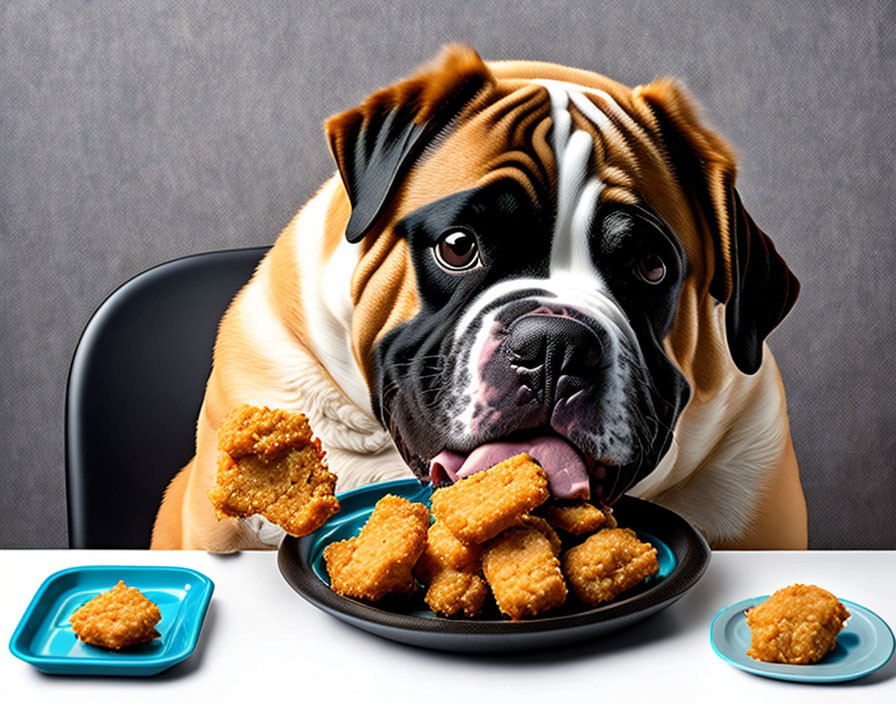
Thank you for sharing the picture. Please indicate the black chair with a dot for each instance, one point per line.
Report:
(134, 391)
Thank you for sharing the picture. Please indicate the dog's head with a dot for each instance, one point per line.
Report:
(551, 262)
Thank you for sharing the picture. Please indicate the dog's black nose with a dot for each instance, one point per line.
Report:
(554, 356)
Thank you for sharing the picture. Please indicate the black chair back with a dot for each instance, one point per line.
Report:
(134, 391)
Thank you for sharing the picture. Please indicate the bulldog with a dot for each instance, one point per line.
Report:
(519, 256)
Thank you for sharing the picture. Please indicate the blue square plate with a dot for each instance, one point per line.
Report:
(863, 646)
(44, 636)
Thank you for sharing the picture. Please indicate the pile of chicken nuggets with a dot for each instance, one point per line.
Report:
(498, 532)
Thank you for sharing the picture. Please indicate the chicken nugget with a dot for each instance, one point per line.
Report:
(523, 573)
(575, 517)
(608, 563)
(480, 507)
(260, 431)
(796, 625)
(270, 464)
(451, 569)
(379, 560)
(444, 551)
(451, 591)
(117, 618)
(545, 528)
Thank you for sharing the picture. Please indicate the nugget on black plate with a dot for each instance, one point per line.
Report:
(444, 551)
(451, 570)
(523, 572)
(380, 559)
(607, 564)
(452, 591)
(479, 507)
(575, 517)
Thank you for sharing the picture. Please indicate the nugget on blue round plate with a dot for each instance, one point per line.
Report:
(797, 625)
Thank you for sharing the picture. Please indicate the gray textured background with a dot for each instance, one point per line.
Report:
(133, 133)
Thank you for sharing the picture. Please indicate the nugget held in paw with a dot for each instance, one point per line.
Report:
(523, 572)
(607, 564)
(796, 625)
(480, 507)
(380, 559)
(270, 464)
(117, 618)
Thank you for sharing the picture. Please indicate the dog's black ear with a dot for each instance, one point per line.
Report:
(748, 274)
(375, 143)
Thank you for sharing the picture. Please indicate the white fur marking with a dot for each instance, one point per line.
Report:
(327, 303)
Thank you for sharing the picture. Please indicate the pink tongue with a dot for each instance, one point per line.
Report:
(565, 468)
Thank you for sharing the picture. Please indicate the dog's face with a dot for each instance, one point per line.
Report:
(549, 250)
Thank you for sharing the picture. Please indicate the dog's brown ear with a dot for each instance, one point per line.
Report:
(748, 275)
(375, 143)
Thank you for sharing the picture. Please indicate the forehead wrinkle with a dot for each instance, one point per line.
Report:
(630, 163)
(516, 165)
(629, 128)
(646, 176)
(612, 137)
(518, 118)
(619, 179)
(501, 139)
(525, 99)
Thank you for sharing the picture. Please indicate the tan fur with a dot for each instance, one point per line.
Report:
(264, 353)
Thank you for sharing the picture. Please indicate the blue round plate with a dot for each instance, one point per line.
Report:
(865, 645)
(682, 553)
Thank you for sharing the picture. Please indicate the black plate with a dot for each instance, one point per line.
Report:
(408, 620)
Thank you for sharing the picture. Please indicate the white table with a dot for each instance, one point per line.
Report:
(262, 642)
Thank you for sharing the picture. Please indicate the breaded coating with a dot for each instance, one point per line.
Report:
(453, 590)
(380, 559)
(608, 563)
(523, 573)
(480, 507)
(250, 430)
(575, 517)
(796, 625)
(546, 530)
(270, 464)
(444, 551)
(451, 569)
(117, 618)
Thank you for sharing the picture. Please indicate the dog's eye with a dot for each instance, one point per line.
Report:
(457, 250)
(650, 268)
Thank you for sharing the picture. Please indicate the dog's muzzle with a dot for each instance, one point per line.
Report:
(537, 374)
